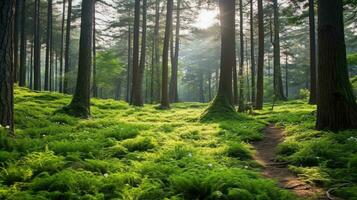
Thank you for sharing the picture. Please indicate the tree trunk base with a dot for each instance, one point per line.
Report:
(77, 110)
(220, 108)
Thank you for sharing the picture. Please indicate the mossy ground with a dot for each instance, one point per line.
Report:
(124, 152)
(323, 158)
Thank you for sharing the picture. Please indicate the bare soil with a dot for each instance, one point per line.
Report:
(266, 156)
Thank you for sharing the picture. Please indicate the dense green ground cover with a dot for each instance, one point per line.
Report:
(129, 153)
(323, 158)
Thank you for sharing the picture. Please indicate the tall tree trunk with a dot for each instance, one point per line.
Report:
(252, 53)
(66, 52)
(313, 76)
(37, 48)
(23, 46)
(223, 102)
(94, 86)
(17, 27)
(278, 81)
(6, 64)
(260, 71)
(136, 52)
(241, 107)
(165, 102)
(31, 71)
(137, 93)
(209, 86)
(336, 104)
(286, 75)
(80, 105)
(174, 72)
(51, 78)
(48, 44)
(61, 89)
(129, 66)
(201, 93)
(157, 51)
(152, 82)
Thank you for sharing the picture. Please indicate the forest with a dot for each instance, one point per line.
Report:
(178, 99)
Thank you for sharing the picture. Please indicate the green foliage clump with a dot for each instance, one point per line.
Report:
(304, 94)
(239, 151)
(139, 144)
(225, 184)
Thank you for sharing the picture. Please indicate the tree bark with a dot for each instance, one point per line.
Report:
(48, 45)
(80, 105)
(278, 81)
(6, 64)
(61, 89)
(129, 65)
(260, 71)
(22, 77)
(37, 48)
(252, 54)
(336, 104)
(223, 102)
(136, 55)
(94, 86)
(157, 51)
(66, 52)
(174, 72)
(165, 102)
(241, 106)
(313, 77)
(17, 27)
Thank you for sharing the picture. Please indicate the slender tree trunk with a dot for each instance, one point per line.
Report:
(174, 72)
(61, 89)
(241, 107)
(260, 72)
(136, 52)
(48, 45)
(223, 102)
(31, 71)
(152, 82)
(23, 46)
(165, 102)
(201, 89)
(6, 64)
(17, 27)
(94, 86)
(286, 75)
(252, 54)
(157, 51)
(278, 81)
(209, 86)
(80, 105)
(66, 52)
(129, 66)
(313, 76)
(37, 48)
(336, 104)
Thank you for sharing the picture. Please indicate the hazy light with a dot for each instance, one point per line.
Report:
(206, 18)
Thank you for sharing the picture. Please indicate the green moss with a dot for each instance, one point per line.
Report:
(123, 152)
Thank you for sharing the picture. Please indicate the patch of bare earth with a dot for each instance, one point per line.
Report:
(266, 156)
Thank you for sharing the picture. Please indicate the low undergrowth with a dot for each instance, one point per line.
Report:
(123, 152)
(323, 158)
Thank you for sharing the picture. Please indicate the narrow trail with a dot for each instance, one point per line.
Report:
(266, 156)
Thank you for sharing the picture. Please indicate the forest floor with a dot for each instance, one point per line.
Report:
(123, 152)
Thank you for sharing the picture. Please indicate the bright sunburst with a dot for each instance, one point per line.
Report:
(206, 18)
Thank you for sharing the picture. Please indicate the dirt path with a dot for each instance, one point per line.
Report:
(266, 156)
